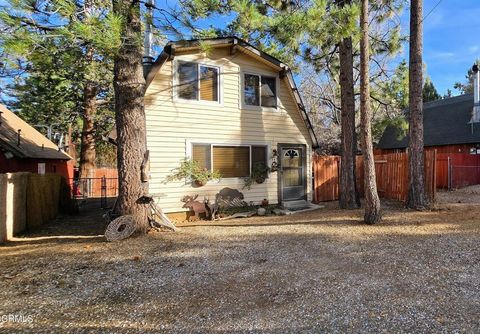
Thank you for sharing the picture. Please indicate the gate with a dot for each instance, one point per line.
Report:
(94, 188)
(457, 170)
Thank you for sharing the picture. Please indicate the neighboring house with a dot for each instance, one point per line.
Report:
(227, 105)
(448, 128)
(24, 149)
(450, 125)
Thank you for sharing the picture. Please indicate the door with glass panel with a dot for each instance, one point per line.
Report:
(292, 172)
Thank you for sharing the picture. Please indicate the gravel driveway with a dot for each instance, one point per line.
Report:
(320, 271)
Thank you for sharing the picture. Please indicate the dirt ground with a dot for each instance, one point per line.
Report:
(321, 271)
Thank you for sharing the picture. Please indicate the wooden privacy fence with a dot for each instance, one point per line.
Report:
(391, 174)
(456, 170)
(325, 177)
(29, 200)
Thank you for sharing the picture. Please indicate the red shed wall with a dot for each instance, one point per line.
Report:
(61, 167)
(459, 148)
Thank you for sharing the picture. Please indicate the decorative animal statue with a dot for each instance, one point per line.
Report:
(196, 206)
(212, 209)
(228, 197)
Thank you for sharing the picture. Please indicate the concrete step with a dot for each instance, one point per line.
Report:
(302, 204)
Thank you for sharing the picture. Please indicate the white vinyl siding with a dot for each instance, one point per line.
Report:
(174, 125)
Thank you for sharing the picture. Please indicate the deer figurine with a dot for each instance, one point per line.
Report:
(212, 209)
(196, 206)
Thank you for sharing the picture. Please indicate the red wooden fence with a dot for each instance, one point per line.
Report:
(391, 174)
(456, 170)
(325, 177)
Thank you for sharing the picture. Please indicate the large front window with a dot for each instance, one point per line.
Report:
(259, 90)
(229, 160)
(197, 82)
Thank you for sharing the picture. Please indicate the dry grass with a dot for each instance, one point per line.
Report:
(317, 271)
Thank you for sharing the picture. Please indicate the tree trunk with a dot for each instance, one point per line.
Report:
(372, 202)
(416, 184)
(87, 145)
(87, 148)
(129, 85)
(349, 198)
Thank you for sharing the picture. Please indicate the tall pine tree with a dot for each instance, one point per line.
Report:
(417, 198)
(372, 201)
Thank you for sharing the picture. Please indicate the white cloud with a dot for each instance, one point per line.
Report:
(474, 48)
(441, 55)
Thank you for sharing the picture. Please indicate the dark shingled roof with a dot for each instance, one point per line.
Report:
(445, 122)
(33, 144)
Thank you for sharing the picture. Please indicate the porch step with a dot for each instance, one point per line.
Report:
(295, 205)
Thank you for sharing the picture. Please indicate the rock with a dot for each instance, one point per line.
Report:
(279, 212)
(261, 211)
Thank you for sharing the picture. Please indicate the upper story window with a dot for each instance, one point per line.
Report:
(197, 82)
(259, 90)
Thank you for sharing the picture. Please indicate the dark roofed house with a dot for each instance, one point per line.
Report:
(24, 149)
(448, 128)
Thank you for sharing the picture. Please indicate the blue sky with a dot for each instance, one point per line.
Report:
(451, 40)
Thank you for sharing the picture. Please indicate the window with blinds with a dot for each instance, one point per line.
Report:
(230, 161)
(197, 82)
(201, 154)
(208, 83)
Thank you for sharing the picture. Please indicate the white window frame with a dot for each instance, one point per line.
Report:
(249, 145)
(245, 106)
(175, 81)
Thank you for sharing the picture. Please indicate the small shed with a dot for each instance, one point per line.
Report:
(24, 149)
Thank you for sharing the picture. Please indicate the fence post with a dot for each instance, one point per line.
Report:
(103, 190)
(449, 174)
(434, 174)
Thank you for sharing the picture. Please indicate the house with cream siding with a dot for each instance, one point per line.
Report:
(226, 105)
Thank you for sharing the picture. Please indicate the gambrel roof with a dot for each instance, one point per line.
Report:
(235, 44)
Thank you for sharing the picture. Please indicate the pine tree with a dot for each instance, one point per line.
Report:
(324, 34)
(416, 183)
(349, 197)
(372, 201)
(467, 86)
(129, 86)
(65, 42)
(429, 91)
